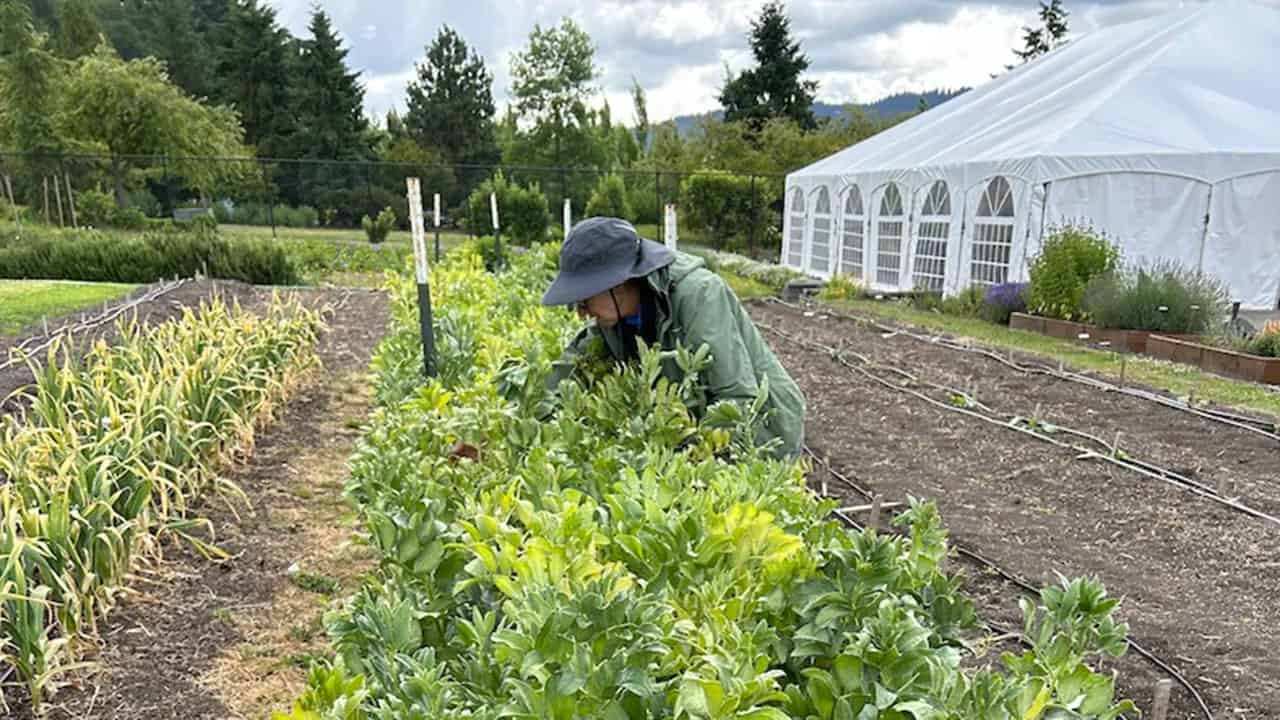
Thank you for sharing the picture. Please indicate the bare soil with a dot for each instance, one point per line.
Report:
(198, 639)
(1200, 582)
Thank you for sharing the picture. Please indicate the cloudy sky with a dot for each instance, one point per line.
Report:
(861, 50)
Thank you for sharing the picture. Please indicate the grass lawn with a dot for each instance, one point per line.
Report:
(1181, 380)
(23, 303)
(448, 239)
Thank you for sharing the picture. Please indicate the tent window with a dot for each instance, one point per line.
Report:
(930, 269)
(795, 243)
(889, 230)
(993, 235)
(820, 238)
(853, 230)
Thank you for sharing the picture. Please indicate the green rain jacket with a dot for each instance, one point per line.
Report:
(696, 306)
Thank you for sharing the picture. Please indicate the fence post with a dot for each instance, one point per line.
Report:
(418, 233)
(71, 200)
(168, 186)
(657, 199)
(13, 204)
(497, 232)
(755, 218)
(57, 195)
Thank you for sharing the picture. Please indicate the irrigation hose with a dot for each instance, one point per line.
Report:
(1021, 584)
(37, 344)
(1265, 428)
(1110, 457)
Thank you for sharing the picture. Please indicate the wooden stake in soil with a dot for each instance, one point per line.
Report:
(17, 216)
(874, 521)
(57, 195)
(47, 219)
(71, 201)
(1160, 705)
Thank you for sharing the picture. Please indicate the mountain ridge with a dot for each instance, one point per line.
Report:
(885, 108)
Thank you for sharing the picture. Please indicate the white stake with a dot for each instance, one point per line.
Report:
(568, 217)
(418, 232)
(493, 210)
(437, 209)
(671, 230)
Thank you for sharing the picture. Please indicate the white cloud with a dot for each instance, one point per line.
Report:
(861, 49)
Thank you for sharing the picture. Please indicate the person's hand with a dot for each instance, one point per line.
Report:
(463, 450)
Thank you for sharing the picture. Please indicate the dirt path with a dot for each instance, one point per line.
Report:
(1200, 582)
(232, 640)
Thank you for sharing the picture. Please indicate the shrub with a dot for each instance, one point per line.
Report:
(256, 213)
(610, 199)
(97, 256)
(94, 208)
(1002, 301)
(718, 205)
(643, 198)
(1267, 342)
(1070, 258)
(130, 218)
(842, 287)
(523, 213)
(1166, 297)
(146, 201)
(377, 229)
(772, 275)
(968, 303)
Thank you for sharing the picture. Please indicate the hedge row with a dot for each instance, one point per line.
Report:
(96, 256)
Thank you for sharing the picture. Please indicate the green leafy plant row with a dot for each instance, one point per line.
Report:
(108, 456)
(609, 554)
(773, 275)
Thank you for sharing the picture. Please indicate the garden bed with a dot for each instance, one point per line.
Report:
(1216, 360)
(1131, 341)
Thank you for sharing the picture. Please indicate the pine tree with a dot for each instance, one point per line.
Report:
(253, 63)
(328, 101)
(78, 29)
(773, 88)
(641, 104)
(1051, 34)
(451, 102)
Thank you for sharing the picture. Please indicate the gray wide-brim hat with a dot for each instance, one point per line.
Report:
(602, 253)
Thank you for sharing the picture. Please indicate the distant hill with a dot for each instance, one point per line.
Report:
(883, 108)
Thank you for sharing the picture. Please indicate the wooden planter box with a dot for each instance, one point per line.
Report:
(1134, 341)
(1216, 360)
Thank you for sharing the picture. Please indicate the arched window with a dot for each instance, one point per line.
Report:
(993, 235)
(820, 238)
(889, 230)
(931, 239)
(852, 230)
(795, 242)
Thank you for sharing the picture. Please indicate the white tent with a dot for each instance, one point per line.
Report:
(1162, 133)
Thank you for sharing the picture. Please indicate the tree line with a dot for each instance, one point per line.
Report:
(185, 78)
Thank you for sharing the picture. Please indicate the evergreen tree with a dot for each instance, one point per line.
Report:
(1051, 34)
(642, 113)
(451, 102)
(773, 88)
(253, 64)
(78, 29)
(328, 111)
(29, 76)
(328, 101)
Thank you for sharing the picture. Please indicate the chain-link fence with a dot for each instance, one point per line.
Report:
(723, 210)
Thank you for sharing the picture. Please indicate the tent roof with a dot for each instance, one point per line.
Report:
(1195, 81)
